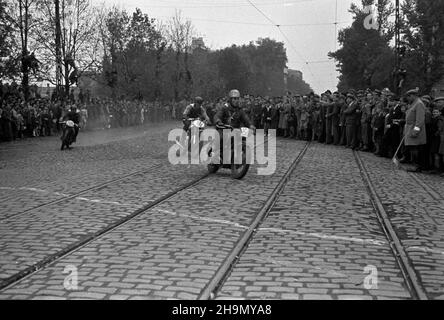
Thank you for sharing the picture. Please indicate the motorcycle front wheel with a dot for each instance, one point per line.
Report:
(238, 171)
(212, 168)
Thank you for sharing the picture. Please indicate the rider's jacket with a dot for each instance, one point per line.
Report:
(191, 111)
(234, 117)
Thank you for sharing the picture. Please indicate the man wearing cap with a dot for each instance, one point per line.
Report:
(366, 118)
(415, 131)
(257, 113)
(335, 118)
(328, 105)
(392, 135)
(298, 110)
(350, 120)
(358, 116)
(342, 127)
(322, 119)
(378, 123)
(267, 114)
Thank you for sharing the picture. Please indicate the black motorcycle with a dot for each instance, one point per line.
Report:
(238, 171)
(68, 134)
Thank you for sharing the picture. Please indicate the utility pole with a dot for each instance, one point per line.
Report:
(58, 33)
(23, 26)
(399, 74)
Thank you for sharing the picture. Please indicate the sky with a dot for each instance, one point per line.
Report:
(307, 27)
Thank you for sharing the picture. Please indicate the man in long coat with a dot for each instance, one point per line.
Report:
(415, 131)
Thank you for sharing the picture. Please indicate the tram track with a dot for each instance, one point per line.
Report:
(406, 267)
(426, 188)
(222, 272)
(90, 238)
(216, 282)
(82, 192)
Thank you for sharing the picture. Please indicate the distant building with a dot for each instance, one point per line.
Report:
(197, 43)
(291, 73)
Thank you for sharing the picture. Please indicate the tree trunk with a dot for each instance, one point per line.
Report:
(188, 77)
(66, 80)
(58, 35)
(24, 37)
(25, 81)
(176, 77)
(157, 92)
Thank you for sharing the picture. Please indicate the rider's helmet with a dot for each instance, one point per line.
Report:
(198, 101)
(234, 94)
(234, 98)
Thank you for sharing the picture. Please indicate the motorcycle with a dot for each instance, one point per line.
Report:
(68, 133)
(191, 137)
(238, 171)
(195, 123)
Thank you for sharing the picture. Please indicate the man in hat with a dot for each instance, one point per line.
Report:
(392, 135)
(439, 102)
(335, 118)
(366, 118)
(378, 122)
(342, 133)
(415, 131)
(329, 105)
(358, 115)
(350, 120)
(322, 119)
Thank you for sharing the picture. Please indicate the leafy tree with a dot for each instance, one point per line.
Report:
(79, 41)
(423, 37)
(365, 58)
(8, 66)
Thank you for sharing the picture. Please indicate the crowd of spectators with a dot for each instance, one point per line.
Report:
(363, 120)
(41, 115)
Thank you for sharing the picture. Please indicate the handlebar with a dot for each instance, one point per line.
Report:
(224, 126)
(64, 122)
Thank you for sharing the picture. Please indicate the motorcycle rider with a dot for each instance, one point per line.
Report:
(232, 114)
(74, 116)
(193, 111)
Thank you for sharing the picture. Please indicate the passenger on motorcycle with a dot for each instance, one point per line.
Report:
(74, 116)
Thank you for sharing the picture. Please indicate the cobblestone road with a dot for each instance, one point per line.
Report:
(320, 240)
(417, 217)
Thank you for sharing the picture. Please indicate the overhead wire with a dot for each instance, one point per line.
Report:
(288, 40)
(218, 4)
